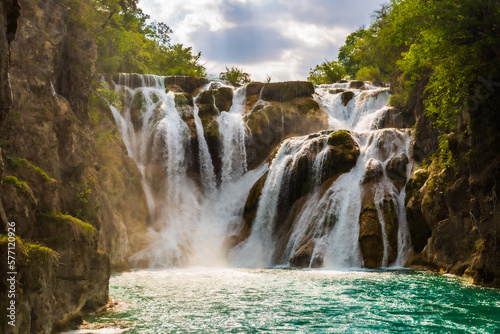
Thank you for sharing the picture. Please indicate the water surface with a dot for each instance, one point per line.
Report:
(231, 300)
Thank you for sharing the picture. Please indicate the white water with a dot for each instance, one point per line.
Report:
(190, 220)
(193, 218)
(233, 133)
(340, 204)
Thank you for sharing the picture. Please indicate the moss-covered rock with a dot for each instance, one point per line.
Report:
(185, 83)
(342, 154)
(286, 91)
(137, 109)
(356, 84)
(223, 98)
(183, 99)
(274, 121)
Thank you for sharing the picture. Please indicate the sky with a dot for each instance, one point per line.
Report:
(279, 38)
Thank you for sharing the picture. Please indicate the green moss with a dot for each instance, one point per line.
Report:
(81, 228)
(182, 99)
(18, 162)
(21, 185)
(339, 137)
(34, 252)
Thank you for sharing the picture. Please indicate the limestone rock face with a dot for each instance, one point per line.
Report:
(50, 166)
(370, 237)
(284, 109)
(303, 256)
(184, 83)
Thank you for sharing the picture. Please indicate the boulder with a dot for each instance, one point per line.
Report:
(185, 83)
(370, 237)
(286, 91)
(302, 257)
(346, 97)
(373, 171)
(396, 170)
(357, 84)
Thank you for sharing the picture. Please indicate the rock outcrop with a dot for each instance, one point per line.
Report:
(61, 171)
(282, 110)
(451, 205)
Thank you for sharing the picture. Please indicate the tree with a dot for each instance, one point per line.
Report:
(326, 73)
(235, 75)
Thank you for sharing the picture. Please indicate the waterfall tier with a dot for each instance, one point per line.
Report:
(224, 184)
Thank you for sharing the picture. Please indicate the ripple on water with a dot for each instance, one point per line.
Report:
(198, 300)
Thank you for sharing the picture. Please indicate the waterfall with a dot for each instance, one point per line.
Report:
(326, 223)
(233, 134)
(320, 197)
(192, 217)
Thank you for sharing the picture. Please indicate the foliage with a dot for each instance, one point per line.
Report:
(369, 73)
(446, 54)
(235, 75)
(126, 42)
(326, 73)
(110, 96)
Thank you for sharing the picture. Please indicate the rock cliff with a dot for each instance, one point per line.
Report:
(63, 170)
(451, 199)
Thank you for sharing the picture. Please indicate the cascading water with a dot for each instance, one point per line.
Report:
(197, 207)
(233, 133)
(191, 217)
(326, 224)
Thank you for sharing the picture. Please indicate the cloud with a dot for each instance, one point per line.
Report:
(282, 38)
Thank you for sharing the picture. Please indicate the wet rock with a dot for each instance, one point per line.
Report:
(252, 202)
(187, 84)
(346, 97)
(342, 154)
(223, 98)
(286, 91)
(396, 170)
(252, 94)
(183, 99)
(275, 121)
(357, 84)
(373, 171)
(370, 238)
(302, 257)
(390, 216)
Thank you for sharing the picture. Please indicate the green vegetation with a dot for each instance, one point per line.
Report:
(18, 162)
(339, 137)
(21, 185)
(126, 42)
(326, 73)
(80, 228)
(110, 96)
(445, 54)
(85, 199)
(33, 251)
(235, 75)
